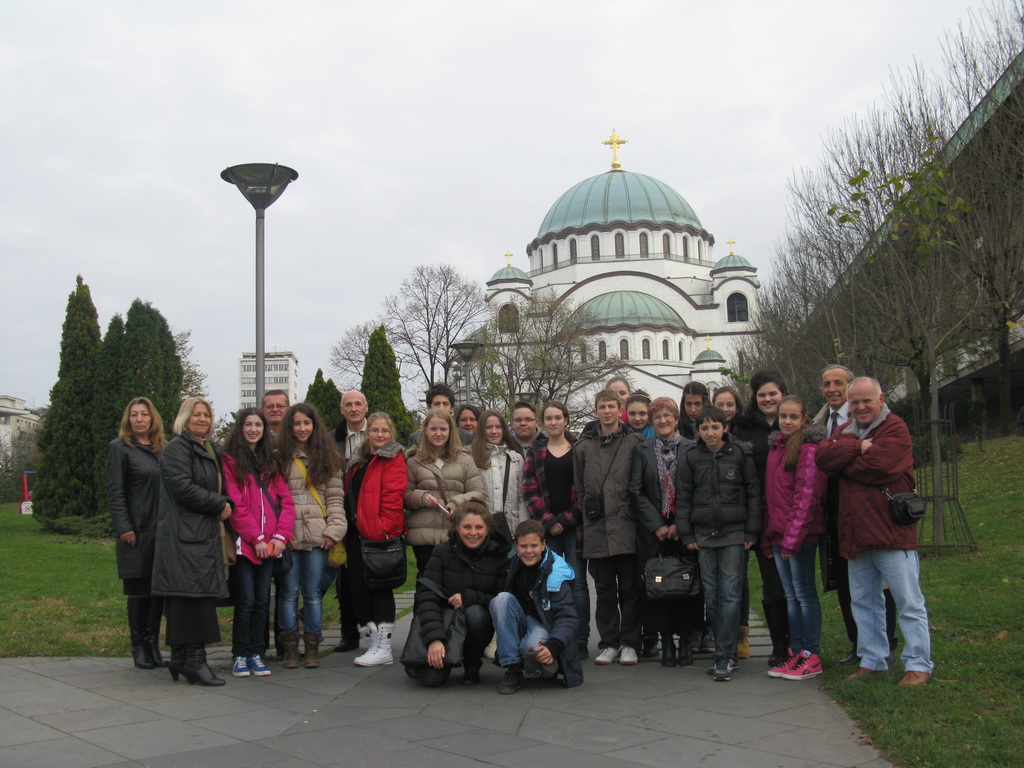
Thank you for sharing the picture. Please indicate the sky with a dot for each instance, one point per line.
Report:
(422, 133)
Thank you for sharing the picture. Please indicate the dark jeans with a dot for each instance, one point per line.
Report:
(251, 588)
(617, 611)
(721, 577)
(479, 631)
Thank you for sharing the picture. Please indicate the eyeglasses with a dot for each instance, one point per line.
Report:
(379, 431)
(523, 421)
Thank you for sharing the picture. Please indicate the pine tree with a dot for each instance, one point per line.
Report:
(64, 496)
(108, 402)
(381, 385)
(326, 397)
(151, 365)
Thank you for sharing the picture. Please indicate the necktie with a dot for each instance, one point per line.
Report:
(834, 424)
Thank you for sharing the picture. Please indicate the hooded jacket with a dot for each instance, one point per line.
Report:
(254, 518)
(794, 500)
(310, 523)
(601, 466)
(455, 482)
(379, 514)
(494, 484)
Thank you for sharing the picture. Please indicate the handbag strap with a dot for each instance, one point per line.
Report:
(434, 587)
(266, 493)
(311, 488)
(504, 490)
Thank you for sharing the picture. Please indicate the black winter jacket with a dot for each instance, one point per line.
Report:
(717, 493)
(478, 575)
(133, 496)
(188, 560)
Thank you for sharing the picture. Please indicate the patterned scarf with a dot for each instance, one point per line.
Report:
(666, 452)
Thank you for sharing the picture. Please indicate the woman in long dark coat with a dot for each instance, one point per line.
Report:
(190, 567)
(133, 496)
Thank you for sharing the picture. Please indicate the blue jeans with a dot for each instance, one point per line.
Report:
(565, 544)
(802, 605)
(721, 578)
(901, 570)
(252, 605)
(516, 631)
(307, 569)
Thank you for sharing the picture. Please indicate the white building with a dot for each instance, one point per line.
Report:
(281, 371)
(15, 418)
(630, 251)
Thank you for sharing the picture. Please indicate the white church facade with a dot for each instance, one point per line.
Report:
(630, 252)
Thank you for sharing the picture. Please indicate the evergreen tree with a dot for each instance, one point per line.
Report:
(381, 385)
(151, 365)
(108, 402)
(326, 397)
(64, 493)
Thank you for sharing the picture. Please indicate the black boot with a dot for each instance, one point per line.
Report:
(138, 614)
(156, 609)
(668, 651)
(685, 657)
(196, 669)
(777, 619)
(177, 663)
(649, 646)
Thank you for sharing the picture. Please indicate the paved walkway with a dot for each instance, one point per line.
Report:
(79, 712)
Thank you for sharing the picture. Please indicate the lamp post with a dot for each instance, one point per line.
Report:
(261, 184)
(466, 350)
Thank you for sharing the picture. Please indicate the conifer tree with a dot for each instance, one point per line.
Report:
(326, 397)
(64, 494)
(151, 365)
(381, 385)
(108, 402)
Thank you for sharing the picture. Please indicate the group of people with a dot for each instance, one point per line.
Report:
(506, 521)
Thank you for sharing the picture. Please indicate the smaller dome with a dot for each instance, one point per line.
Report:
(733, 261)
(708, 356)
(508, 273)
(632, 309)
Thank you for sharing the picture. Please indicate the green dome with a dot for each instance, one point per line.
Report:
(618, 197)
(630, 308)
(508, 273)
(708, 356)
(733, 261)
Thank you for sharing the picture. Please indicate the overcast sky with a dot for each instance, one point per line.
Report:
(422, 133)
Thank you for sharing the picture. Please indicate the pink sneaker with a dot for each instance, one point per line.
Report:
(808, 665)
(791, 659)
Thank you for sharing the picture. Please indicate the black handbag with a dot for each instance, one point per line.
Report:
(669, 577)
(384, 563)
(905, 508)
(414, 654)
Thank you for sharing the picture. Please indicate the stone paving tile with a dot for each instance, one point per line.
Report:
(336, 745)
(65, 751)
(480, 743)
(680, 751)
(417, 728)
(821, 715)
(22, 730)
(324, 682)
(603, 707)
(502, 714)
(809, 744)
(65, 666)
(239, 755)
(97, 717)
(143, 740)
(211, 704)
(261, 723)
(49, 697)
(694, 722)
(546, 755)
(341, 715)
(599, 736)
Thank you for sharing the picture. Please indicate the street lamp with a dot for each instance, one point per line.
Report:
(261, 184)
(466, 350)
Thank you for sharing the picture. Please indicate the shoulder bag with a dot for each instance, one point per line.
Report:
(905, 508)
(670, 576)
(414, 654)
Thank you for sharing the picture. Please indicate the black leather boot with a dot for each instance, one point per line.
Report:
(138, 614)
(177, 663)
(685, 657)
(152, 644)
(196, 669)
(668, 651)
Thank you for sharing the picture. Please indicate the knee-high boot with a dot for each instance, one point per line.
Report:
(156, 610)
(138, 614)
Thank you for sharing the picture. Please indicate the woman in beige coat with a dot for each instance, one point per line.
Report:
(314, 470)
(442, 476)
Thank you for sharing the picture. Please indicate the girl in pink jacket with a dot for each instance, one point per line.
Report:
(794, 519)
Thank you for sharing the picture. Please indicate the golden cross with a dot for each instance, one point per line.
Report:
(615, 142)
(731, 243)
(508, 257)
(708, 340)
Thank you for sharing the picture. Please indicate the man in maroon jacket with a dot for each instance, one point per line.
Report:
(871, 455)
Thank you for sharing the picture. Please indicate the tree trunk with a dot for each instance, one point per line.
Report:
(938, 489)
(1003, 345)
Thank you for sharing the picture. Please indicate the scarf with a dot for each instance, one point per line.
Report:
(666, 452)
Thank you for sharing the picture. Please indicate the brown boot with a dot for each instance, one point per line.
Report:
(312, 641)
(290, 643)
(743, 643)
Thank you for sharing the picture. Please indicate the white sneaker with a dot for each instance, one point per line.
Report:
(608, 655)
(627, 655)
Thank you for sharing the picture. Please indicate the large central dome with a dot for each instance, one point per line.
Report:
(618, 197)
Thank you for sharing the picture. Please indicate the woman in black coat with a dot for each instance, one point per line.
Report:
(471, 565)
(190, 566)
(133, 496)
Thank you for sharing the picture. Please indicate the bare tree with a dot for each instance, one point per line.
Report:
(348, 355)
(193, 381)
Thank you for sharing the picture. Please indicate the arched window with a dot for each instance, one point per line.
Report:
(540, 258)
(644, 249)
(645, 349)
(572, 251)
(620, 246)
(664, 350)
(680, 351)
(686, 248)
(554, 254)
(624, 349)
(595, 248)
(602, 351)
(666, 247)
(508, 318)
(736, 308)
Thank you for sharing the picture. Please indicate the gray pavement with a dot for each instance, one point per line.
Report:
(80, 712)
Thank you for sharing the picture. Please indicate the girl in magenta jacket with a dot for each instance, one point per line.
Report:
(794, 519)
(263, 520)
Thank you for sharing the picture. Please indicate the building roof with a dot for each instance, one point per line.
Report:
(618, 197)
(508, 273)
(630, 308)
(733, 261)
(708, 356)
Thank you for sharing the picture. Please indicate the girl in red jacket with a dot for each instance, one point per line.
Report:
(374, 487)
(794, 519)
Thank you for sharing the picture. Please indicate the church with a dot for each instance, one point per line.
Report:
(628, 251)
